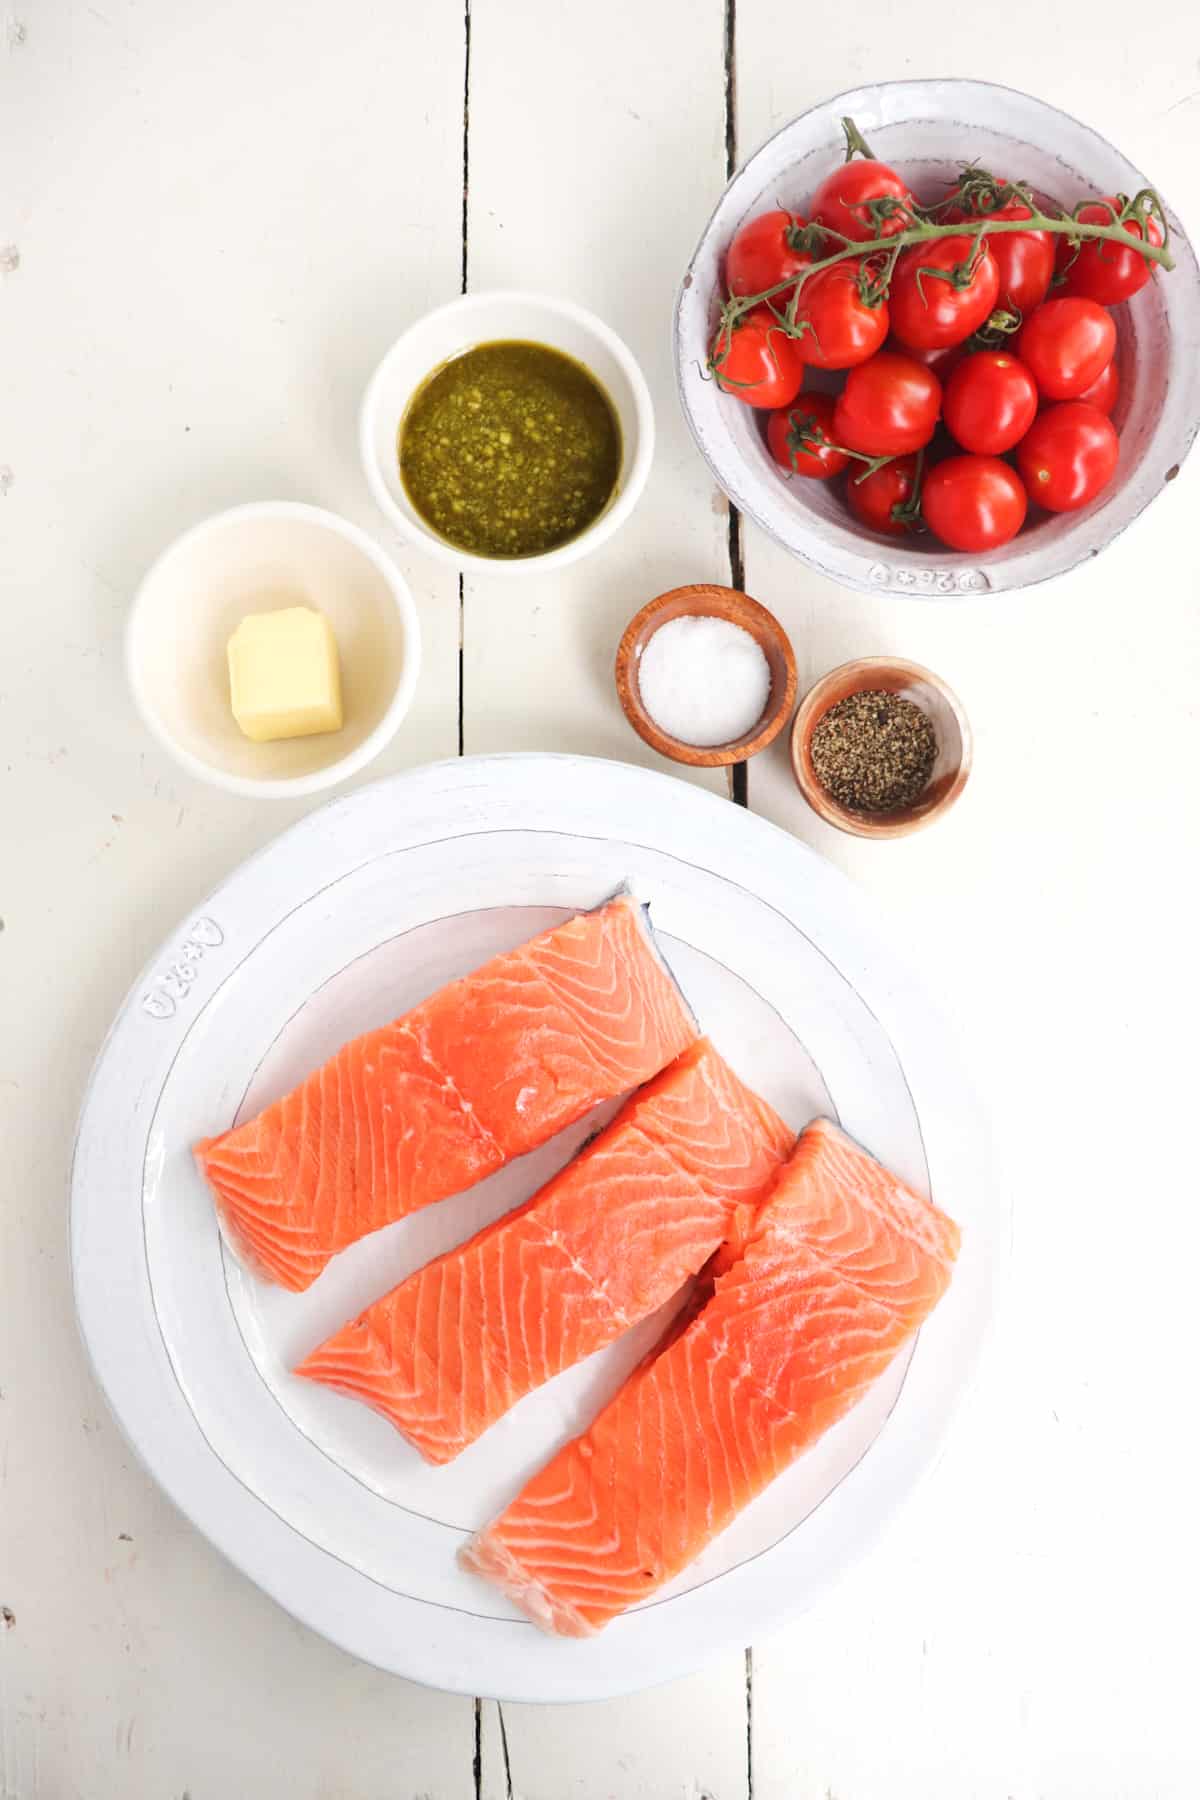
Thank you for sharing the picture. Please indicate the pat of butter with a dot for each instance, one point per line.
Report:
(284, 679)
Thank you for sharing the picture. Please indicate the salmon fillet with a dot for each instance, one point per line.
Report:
(843, 1265)
(611, 1238)
(484, 1070)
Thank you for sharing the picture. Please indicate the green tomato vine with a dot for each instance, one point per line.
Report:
(979, 194)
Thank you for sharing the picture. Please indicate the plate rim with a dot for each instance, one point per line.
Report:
(478, 775)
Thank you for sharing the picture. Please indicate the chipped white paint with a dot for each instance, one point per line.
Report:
(220, 231)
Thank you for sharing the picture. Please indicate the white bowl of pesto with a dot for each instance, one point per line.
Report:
(263, 558)
(522, 508)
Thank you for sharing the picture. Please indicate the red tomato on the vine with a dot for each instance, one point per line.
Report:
(764, 252)
(1024, 259)
(1103, 271)
(991, 401)
(1025, 264)
(843, 327)
(942, 291)
(756, 361)
(973, 502)
(802, 440)
(1104, 390)
(840, 201)
(1066, 345)
(889, 405)
(1069, 453)
(875, 499)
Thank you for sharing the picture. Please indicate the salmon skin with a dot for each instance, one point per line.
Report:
(841, 1269)
(605, 1243)
(481, 1072)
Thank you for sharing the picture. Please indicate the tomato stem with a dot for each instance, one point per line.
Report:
(908, 512)
(856, 143)
(797, 236)
(873, 462)
(989, 195)
(994, 330)
(807, 435)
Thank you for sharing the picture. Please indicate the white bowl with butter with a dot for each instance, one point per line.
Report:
(269, 558)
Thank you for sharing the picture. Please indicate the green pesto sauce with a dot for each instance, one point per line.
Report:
(510, 449)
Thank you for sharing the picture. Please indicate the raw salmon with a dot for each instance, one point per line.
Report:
(843, 1265)
(484, 1070)
(607, 1241)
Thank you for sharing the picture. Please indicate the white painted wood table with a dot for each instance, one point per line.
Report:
(212, 221)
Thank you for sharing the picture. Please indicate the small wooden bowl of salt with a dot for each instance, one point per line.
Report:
(706, 675)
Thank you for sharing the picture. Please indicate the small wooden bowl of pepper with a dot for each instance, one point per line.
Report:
(881, 747)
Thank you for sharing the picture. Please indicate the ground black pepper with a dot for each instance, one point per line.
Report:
(873, 751)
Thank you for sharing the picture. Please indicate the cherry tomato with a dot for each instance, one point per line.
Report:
(1067, 456)
(764, 253)
(801, 438)
(757, 361)
(839, 202)
(873, 499)
(1024, 263)
(1065, 345)
(973, 502)
(991, 401)
(932, 310)
(843, 328)
(889, 405)
(1104, 390)
(1102, 271)
(1024, 259)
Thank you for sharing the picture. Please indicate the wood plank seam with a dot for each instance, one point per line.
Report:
(508, 1786)
(466, 186)
(739, 774)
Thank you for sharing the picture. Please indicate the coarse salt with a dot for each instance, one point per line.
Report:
(704, 681)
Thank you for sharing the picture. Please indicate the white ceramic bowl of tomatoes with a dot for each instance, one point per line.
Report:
(979, 410)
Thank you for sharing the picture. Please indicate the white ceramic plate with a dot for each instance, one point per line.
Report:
(344, 922)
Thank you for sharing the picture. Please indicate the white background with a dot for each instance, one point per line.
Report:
(213, 220)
